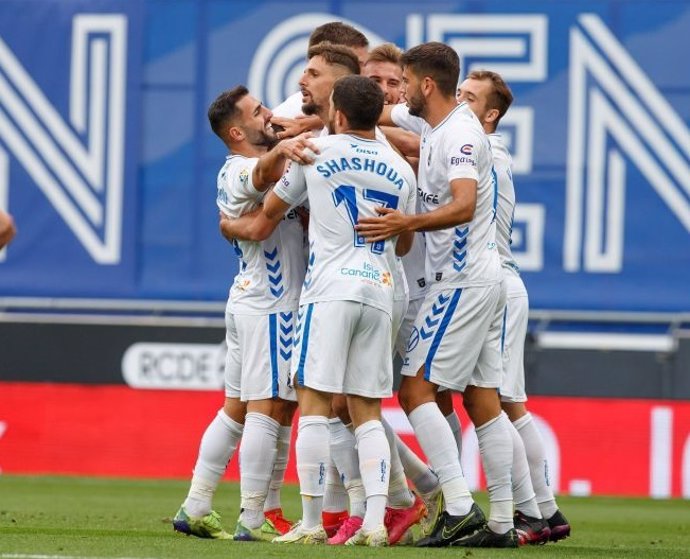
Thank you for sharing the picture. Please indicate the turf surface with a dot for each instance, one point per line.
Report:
(51, 517)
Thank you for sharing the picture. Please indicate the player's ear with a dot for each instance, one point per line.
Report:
(491, 116)
(235, 134)
(427, 85)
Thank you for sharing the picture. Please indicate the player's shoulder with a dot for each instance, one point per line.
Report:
(291, 107)
(237, 167)
(498, 149)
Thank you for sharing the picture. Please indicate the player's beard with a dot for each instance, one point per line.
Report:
(416, 104)
(262, 137)
(310, 108)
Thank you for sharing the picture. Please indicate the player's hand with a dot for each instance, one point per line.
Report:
(7, 228)
(388, 224)
(292, 127)
(299, 149)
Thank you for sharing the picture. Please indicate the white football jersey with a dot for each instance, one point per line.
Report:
(457, 148)
(349, 179)
(291, 107)
(270, 272)
(505, 210)
(415, 268)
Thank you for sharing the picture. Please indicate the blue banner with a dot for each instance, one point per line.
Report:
(108, 164)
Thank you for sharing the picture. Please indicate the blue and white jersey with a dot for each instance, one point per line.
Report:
(505, 210)
(271, 272)
(349, 179)
(457, 148)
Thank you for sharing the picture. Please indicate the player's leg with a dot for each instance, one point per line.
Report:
(284, 413)
(492, 427)
(218, 444)
(318, 368)
(444, 399)
(432, 355)
(345, 457)
(261, 362)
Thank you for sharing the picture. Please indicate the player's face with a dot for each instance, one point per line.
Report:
(412, 93)
(476, 94)
(316, 85)
(389, 77)
(256, 122)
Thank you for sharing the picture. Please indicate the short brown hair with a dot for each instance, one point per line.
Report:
(360, 100)
(224, 108)
(338, 33)
(437, 61)
(500, 97)
(335, 55)
(387, 52)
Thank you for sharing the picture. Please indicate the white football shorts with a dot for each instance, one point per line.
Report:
(343, 347)
(403, 337)
(515, 317)
(457, 338)
(260, 348)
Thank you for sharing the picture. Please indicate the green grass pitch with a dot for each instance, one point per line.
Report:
(71, 517)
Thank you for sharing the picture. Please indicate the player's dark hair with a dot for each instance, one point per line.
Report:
(436, 61)
(335, 55)
(338, 33)
(360, 100)
(500, 97)
(224, 109)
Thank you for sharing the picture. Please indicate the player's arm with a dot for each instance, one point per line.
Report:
(390, 223)
(386, 119)
(407, 143)
(257, 225)
(271, 165)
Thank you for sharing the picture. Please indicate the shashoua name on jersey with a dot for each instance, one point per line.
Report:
(270, 272)
(349, 179)
(506, 202)
(457, 148)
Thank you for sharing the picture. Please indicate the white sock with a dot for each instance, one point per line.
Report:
(374, 463)
(217, 447)
(538, 466)
(346, 460)
(436, 440)
(399, 494)
(313, 455)
(496, 449)
(335, 496)
(278, 474)
(454, 422)
(257, 458)
(523, 494)
(423, 477)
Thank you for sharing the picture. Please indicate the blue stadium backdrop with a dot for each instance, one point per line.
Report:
(108, 164)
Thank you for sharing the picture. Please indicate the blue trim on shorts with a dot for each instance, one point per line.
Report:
(440, 332)
(305, 345)
(503, 328)
(273, 345)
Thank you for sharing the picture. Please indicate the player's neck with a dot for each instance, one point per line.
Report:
(438, 109)
(247, 150)
(366, 134)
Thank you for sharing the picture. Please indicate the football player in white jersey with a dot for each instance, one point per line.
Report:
(7, 228)
(489, 97)
(456, 339)
(344, 338)
(288, 116)
(260, 317)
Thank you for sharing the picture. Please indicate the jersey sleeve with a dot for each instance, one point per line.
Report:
(411, 201)
(292, 186)
(461, 153)
(401, 117)
(291, 107)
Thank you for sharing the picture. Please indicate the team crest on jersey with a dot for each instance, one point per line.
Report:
(244, 177)
(386, 279)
